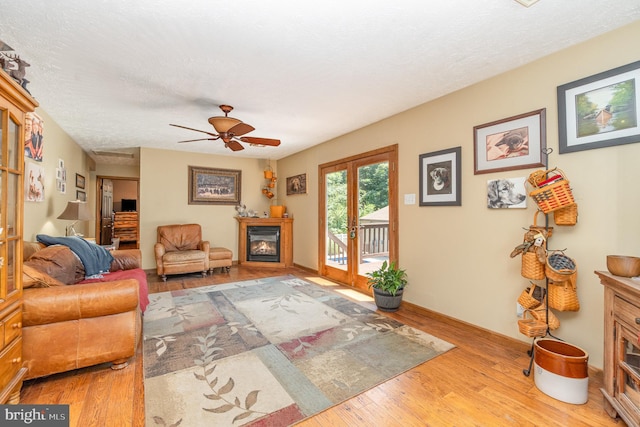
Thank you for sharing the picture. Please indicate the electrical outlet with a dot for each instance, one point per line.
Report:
(519, 310)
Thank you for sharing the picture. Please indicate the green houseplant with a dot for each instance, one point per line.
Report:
(388, 283)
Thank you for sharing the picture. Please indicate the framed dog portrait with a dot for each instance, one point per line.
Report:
(208, 186)
(600, 111)
(297, 184)
(440, 178)
(518, 142)
(507, 193)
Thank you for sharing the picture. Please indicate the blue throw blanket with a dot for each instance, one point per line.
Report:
(95, 258)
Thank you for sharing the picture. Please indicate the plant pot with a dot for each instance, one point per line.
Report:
(387, 302)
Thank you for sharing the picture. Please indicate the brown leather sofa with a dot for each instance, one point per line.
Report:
(180, 249)
(69, 326)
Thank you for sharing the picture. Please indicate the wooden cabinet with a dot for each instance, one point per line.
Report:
(15, 103)
(621, 347)
(125, 226)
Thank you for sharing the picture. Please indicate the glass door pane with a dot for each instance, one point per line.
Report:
(14, 145)
(373, 216)
(336, 230)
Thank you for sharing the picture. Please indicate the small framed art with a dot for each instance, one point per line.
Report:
(517, 142)
(440, 178)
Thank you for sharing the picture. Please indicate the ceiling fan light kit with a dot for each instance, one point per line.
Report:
(230, 131)
(527, 3)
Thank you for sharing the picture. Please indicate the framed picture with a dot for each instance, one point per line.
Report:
(507, 193)
(517, 142)
(34, 137)
(79, 181)
(208, 186)
(33, 182)
(81, 195)
(297, 184)
(440, 178)
(601, 110)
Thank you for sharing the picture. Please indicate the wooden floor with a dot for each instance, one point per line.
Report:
(479, 383)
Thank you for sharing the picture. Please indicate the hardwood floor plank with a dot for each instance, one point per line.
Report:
(478, 383)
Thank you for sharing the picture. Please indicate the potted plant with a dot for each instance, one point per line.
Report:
(388, 284)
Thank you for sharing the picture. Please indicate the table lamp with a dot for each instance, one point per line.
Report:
(75, 211)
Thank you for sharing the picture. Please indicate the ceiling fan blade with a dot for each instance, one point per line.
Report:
(201, 139)
(240, 129)
(260, 141)
(197, 130)
(234, 145)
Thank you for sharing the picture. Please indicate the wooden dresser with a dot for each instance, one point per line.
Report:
(621, 347)
(15, 103)
(125, 226)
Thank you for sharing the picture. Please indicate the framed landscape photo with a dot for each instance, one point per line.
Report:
(79, 181)
(600, 110)
(297, 184)
(81, 195)
(517, 142)
(209, 186)
(440, 178)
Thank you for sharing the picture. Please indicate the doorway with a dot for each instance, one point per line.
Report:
(358, 215)
(117, 216)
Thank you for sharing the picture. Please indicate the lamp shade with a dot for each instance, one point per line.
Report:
(76, 211)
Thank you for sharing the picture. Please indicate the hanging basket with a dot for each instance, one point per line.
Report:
(540, 313)
(559, 267)
(563, 296)
(553, 193)
(530, 326)
(527, 299)
(567, 215)
(532, 268)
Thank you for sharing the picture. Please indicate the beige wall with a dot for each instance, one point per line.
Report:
(40, 217)
(457, 258)
(164, 185)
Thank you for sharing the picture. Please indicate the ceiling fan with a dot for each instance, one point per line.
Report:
(230, 130)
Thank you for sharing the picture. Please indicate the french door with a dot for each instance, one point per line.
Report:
(358, 215)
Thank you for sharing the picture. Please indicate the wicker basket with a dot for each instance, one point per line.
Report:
(567, 215)
(543, 229)
(532, 268)
(563, 296)
(559, 267)
(527, 298)
(552, 196)
(530, 326)
(540, 313)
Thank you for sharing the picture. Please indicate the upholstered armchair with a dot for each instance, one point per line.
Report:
(180, 249)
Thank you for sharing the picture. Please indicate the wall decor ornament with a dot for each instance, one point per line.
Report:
(441, 178)
(212, 186)
(81, 195)
(600, 111)
(509, 193)
(80, 181)
(517, 142)
(297, 184)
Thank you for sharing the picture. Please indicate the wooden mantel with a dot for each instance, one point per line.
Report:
(286, 240)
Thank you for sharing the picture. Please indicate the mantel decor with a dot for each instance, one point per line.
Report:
(208, 186)
(517, 142)
(600, 111)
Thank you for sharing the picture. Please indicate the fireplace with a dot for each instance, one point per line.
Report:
(263, 243)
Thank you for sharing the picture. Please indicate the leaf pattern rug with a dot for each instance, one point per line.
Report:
(267, 352)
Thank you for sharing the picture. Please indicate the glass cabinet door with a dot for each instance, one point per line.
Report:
(11, 165)
(628, 358)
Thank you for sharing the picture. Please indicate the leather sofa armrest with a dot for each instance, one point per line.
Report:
(126, 259)
(159, 251)
(204, 246)
(62, 303)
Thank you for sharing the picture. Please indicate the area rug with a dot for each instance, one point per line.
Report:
(267, 352)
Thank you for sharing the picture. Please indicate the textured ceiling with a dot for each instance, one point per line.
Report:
(114, 73)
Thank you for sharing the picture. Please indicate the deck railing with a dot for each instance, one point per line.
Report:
(374, 242)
